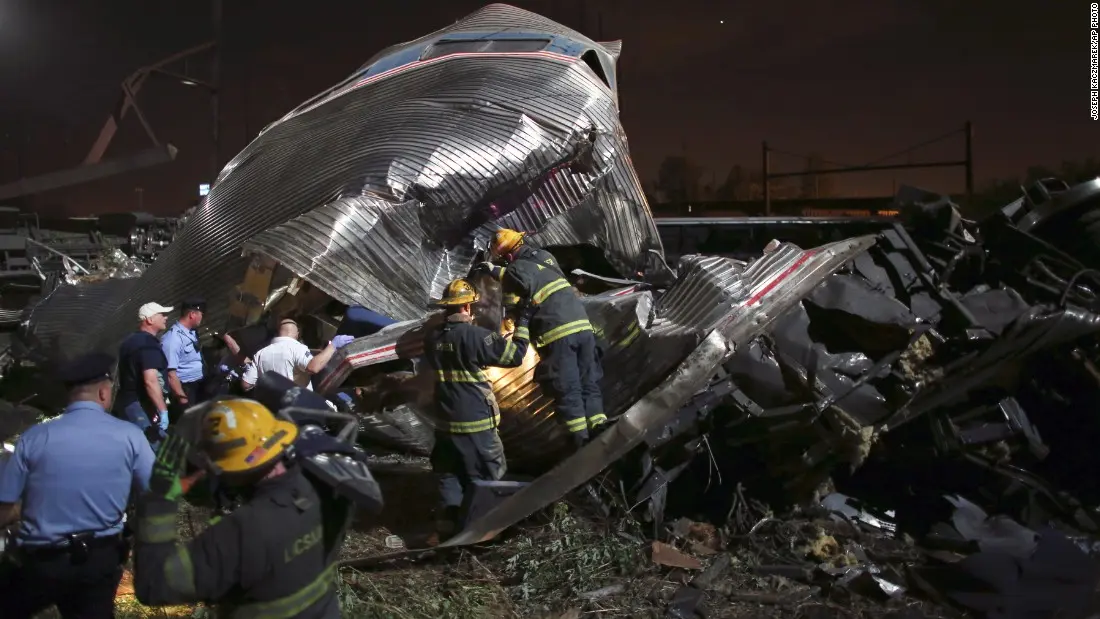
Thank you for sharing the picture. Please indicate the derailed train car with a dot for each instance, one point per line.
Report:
(382, 189)
(379, 191)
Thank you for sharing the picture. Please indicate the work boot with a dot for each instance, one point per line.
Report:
(597, 430)
(580, 439)
(446, 523)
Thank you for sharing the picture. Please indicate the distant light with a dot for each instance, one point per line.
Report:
(204, 189)
(721, 21)
(189, 82)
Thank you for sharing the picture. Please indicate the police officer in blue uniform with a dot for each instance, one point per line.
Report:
(186, 375)
(569, 367)
(467, 447)
(68, 484)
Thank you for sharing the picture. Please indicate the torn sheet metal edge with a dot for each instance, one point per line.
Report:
(688, 378)
(386, 344)
(373, 349)
(389, 345)
(771, 298)
(604, 279)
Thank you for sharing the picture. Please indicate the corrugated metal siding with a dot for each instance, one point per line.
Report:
(433, 139)
(68, 321)
(644, 342)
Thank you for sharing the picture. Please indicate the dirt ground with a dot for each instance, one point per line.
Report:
(564, 564)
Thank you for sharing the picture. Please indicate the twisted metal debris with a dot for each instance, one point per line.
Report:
(383, 188)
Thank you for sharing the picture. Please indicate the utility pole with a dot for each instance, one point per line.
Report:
(765, 177)
(215, 83)
(969, 163)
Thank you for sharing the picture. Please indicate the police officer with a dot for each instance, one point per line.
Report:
(569, 367)
(180, 344)
(467, 447)
(73, 477)
(272, 557)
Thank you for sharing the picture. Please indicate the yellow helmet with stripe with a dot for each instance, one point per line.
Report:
(240, 435)
(505, 241)
(459, 292)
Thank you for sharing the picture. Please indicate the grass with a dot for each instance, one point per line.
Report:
(572, 557)
(541, 571)
(417, 592)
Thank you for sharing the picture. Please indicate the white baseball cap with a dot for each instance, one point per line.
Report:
(147, 311)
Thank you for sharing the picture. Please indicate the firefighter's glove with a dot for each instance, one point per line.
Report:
(482, 268)
(341, 341)
(169, 465)
(524, 312)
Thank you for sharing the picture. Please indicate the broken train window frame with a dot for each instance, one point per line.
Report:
(448, 47)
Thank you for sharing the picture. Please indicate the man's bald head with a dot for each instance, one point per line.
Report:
(288, 328)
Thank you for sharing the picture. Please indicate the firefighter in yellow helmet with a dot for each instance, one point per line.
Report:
(467, 446)
(272, 557)
(569, 367)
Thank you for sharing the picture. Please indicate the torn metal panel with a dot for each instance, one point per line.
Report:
(771, 285)
(422, 152)
(606, 448)
(58, 325)
(362, 250)
(642, 343)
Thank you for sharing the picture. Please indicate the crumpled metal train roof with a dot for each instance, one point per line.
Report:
(382, 190)
(644, 340)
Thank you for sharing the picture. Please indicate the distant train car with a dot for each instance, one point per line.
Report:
(744, 238)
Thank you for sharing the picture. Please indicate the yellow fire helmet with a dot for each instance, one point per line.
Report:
(240, 435)
(458, 292)
(505, 241)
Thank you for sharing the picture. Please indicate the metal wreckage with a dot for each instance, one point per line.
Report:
(939, 356)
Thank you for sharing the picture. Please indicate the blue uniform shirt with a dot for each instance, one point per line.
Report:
(75, 474)
(181, 348)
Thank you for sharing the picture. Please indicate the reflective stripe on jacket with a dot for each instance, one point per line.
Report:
(457, 352)
(274, 557)
(534, 275)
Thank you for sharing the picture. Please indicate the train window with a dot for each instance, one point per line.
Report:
(482, 46)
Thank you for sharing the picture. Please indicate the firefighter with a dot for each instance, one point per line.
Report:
(272, 557)
(569, 367)
(467, 447)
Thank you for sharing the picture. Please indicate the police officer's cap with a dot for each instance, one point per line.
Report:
(86, 369)
(193, 303)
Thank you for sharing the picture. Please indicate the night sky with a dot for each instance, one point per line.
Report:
(851, 79)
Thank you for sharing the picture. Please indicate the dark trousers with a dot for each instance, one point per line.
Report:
(196, 394)
(80, 591)
(457, 459)
(569, 371)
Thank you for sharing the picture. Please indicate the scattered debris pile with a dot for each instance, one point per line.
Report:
(953, 358)
(941, 357)
(932, 371)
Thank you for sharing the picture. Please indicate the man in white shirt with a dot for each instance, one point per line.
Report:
(289, 357)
